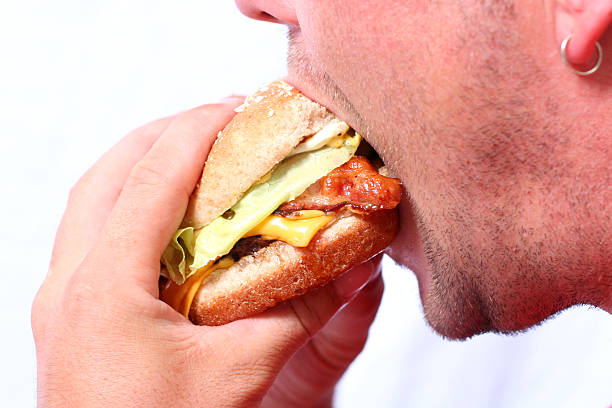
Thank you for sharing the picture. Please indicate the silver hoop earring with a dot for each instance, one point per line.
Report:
(575, 71)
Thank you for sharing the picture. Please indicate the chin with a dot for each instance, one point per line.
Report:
(453, 324)
(458, 308)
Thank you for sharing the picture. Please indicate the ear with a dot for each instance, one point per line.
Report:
(586, 21)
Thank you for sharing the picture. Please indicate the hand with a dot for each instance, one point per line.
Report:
(103, 338)
(310, 376)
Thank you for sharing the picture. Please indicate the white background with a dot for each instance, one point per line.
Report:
(76, 76)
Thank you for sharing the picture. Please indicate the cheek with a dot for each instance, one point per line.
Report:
(362, 46)
(399, 63)
(394, 62)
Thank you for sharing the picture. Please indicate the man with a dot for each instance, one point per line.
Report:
(503, 151)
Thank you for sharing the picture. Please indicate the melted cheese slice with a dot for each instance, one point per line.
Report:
(296, 231)
(180, 297)
(289, 179)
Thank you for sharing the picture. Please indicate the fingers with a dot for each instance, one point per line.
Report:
(343, 338)
(314, 310)
(336, 345)
(280, 331)
(89, 204)
(155, 194)
(316, 368)
(95, 194)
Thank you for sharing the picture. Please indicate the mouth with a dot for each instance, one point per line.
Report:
(321, 88)
(407, 249)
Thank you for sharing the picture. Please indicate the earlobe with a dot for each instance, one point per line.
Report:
(585, 21)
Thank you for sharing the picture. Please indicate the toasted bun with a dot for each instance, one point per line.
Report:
(266, 128)
(280, 271)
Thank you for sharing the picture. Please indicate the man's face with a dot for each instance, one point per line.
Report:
(498, 221)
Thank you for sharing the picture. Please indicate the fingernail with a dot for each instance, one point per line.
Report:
(233, 98)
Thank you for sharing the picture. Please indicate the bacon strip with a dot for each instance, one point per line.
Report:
(355, 183)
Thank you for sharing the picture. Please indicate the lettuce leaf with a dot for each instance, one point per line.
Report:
(179, 254)
(190, 250)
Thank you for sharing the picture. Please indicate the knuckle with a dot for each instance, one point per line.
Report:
(307, 315)
(79, 296)
(145, 174)
(39, 312)
(313, 310)
(149, 175)
(252, 371)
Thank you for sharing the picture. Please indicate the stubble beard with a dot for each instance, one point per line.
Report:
(512, 281)
(303, 66)
(450, 307)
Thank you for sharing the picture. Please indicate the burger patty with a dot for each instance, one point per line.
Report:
(248, 246)
(355, 183)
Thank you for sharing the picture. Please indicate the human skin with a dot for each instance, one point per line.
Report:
(504, 152)
(103, 337)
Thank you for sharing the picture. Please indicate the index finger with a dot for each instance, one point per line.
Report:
(155, 195)
(93, 198)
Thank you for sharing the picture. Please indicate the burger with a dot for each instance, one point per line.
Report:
(290, 197)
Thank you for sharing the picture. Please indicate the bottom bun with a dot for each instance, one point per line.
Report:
(280, 271)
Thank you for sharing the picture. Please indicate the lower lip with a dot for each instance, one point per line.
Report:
(407, 248)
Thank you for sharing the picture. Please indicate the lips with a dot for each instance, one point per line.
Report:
(313, 89)
(407, 248)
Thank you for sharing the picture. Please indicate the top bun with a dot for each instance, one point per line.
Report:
(266, 128)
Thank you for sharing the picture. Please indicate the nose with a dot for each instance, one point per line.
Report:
(275, 11)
